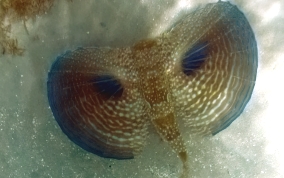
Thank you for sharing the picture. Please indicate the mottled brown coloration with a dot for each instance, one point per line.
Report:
(201, 72)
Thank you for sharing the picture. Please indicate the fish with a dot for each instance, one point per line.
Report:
(200, 73)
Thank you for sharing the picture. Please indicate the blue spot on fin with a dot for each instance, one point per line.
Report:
(195, 57)
(108, 86)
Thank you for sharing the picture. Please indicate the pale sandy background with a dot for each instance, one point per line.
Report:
(32, 145)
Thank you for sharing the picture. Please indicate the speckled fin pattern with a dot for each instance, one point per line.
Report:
(200, 73)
